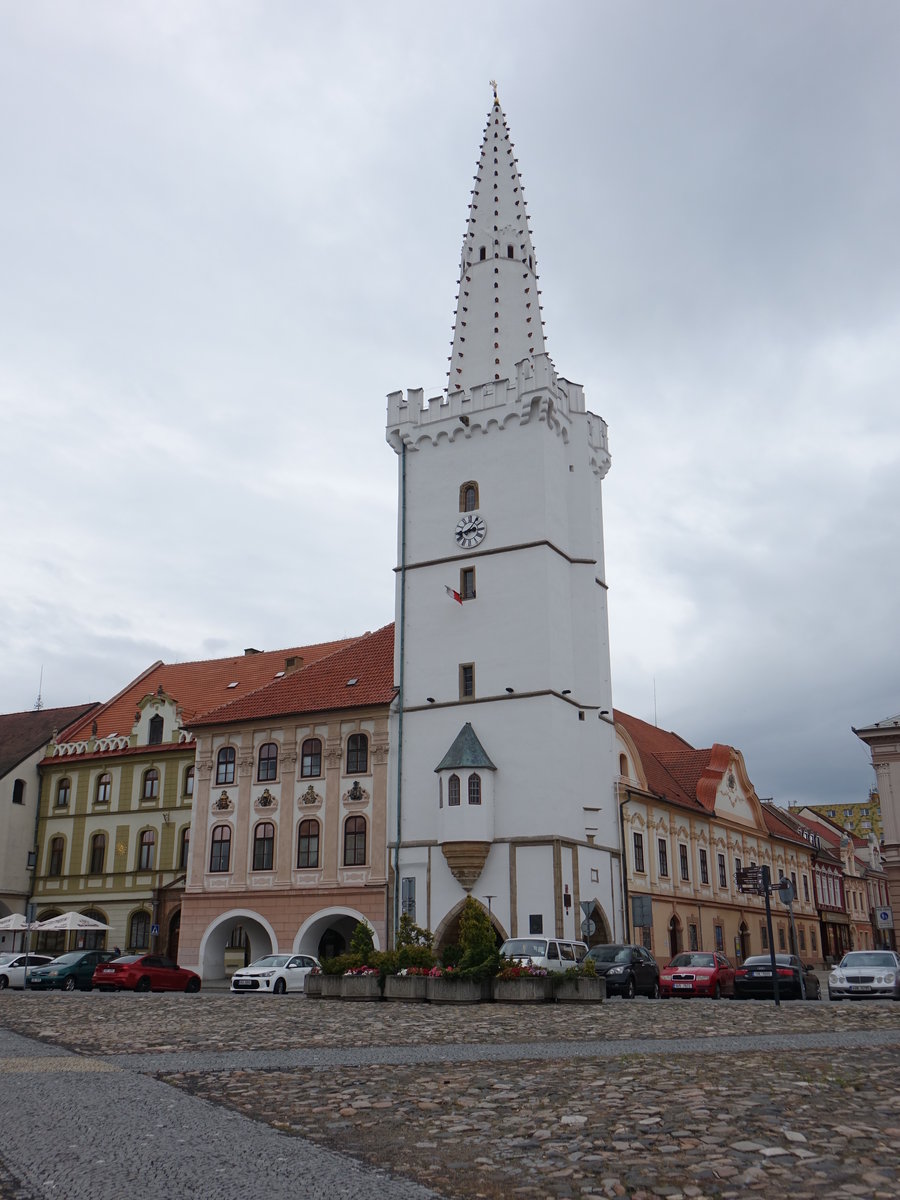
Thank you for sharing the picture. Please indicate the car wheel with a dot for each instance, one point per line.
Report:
(4, 982)
(280, 987)
(193, 985)
(654, 995)
(143, 984)
(717, 994)
(69, 985)
(629, 988)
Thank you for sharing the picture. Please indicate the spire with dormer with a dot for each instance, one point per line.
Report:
(498, 312)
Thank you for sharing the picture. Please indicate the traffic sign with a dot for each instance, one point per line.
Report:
(785, 891)
(588, 928)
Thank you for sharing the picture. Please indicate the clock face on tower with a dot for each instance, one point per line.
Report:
(470, 530)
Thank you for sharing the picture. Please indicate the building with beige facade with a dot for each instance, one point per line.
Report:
(690, 820)
(289, 841)
(117, 792)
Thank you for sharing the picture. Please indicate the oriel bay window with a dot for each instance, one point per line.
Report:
(355, 842)
(474, 789)
(453, 791)
(220, 848)
(264, 846)
(308, 844)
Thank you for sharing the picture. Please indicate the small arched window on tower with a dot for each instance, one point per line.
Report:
(474, 789)
(453, 791)
(510, 253)
(482, 253)
(468, 496)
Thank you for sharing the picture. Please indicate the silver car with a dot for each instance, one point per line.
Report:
(866, 974)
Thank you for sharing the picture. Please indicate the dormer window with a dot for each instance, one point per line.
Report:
(155, 731)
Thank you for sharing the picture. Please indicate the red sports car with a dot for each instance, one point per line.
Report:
(697, 973)
(145, 973)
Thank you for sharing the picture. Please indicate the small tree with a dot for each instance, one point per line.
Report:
(411, 934)
(480, 957)
(362, 942)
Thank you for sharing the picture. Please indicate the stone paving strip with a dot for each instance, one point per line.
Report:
(639, 1099)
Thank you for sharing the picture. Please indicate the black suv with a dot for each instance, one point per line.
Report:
(626, 969)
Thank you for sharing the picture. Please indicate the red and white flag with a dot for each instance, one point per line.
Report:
(453, 595)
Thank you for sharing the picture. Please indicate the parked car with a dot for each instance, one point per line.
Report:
(697, 973)
(866, 973)
(145, 973)
(275, 974)
(753, 979)
(68, 971)
(553, 954)
(626, 969)
(12, 967)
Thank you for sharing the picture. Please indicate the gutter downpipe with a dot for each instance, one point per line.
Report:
(400, 696)
(623, 870)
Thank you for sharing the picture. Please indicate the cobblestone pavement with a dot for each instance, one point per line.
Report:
(637, 1099)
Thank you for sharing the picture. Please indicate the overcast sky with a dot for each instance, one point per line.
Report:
(228, 230)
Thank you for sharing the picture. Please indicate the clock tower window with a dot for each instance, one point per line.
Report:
(466, 681)
(468, 496)
(467, 583)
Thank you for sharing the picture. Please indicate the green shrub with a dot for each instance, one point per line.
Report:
(411, 934)
(362, 942)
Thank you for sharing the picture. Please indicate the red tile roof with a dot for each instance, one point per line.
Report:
(672, 766)
(21, 734)
(198, 686)
(359, 674)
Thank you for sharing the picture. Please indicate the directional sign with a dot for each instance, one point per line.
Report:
(750, 879)
(884, 918)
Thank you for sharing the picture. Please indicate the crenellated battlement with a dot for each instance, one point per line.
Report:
(537, 392)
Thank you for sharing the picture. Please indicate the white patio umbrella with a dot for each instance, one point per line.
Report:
(70, 920)
(15, 921)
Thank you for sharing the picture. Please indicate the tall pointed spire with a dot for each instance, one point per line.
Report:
(498, 314)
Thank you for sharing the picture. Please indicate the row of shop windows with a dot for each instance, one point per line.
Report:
(684, 864)
(357, 763)
(309, 839)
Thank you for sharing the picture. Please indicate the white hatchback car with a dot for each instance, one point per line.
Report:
(274, 973)
(12, 967)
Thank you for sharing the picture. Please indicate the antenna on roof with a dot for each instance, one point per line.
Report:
(39, 703)
(655, 721)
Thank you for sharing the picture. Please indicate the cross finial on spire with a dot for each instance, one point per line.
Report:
(493, 83)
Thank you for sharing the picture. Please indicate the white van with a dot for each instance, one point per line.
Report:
(553, 954)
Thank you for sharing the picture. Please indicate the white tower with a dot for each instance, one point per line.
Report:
(504, 770)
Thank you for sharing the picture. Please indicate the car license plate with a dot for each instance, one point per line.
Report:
(108, 971)
(859, 987)
(761, 974)
(689, 986)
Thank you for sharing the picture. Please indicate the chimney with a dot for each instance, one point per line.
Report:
(251, 650)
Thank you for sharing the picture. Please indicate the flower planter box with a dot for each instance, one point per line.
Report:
(534, 989)
(457, 991)
(360, 987)
(580, 991)
(312, 986)
(406, 987)
(331, 987)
